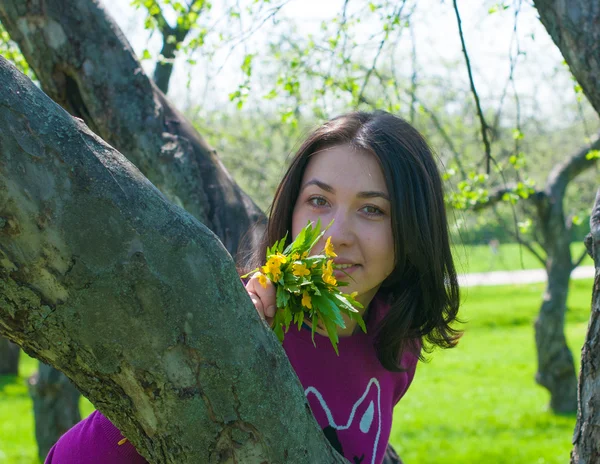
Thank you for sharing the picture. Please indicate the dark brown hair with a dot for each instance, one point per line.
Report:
(422, 290)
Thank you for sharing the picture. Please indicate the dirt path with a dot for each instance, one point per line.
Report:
(517, 277)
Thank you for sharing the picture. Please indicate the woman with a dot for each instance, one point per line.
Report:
(375, 176)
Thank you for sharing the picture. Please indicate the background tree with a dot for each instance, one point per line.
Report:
(574, 28)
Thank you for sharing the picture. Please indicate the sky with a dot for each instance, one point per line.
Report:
(539, 75)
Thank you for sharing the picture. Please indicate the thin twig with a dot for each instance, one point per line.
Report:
(374, 64)
(413, 77)
(484, 126)
(513, 63)
(580, 259)
(518, 238)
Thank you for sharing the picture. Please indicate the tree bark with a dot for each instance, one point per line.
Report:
(93, 253)
(586, 439)
(9, 357)
(55, 405)
(573, 26)
(556, 369)
(85, 64)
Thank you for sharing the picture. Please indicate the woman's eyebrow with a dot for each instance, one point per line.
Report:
(330, 189)
(321, 185)
(373, 194)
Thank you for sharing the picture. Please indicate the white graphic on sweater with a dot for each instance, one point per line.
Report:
(366, 421)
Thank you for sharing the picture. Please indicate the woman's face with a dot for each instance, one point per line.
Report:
(348, 186)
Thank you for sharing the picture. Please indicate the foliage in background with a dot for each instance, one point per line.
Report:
(254, 147)
(10, 51)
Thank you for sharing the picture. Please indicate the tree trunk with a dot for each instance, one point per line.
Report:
(586, 440)
(85, 64)
(556, 369)
(92, 254)
(55, 404)
(9, 357)
(163, 70)
(573, 26)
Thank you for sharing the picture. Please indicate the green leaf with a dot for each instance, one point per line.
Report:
(277, 325)
(332, 334)
(592, 154)
(287, 317)
(328, 309)
(315, 321)
(518, 135)
(282, 297)
(247, 64)
(299, 319)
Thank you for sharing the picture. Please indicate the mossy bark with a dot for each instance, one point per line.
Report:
(573, 26)
(136, 301)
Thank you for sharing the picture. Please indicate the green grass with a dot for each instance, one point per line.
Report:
(510, 257)
(17, 436)
(477, 403)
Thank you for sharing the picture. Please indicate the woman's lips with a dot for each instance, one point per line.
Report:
(339, 274)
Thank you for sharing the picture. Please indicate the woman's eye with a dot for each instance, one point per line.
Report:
(317, 201)
(372, 210)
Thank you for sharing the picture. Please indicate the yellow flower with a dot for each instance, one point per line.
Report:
(276, 274)
(300, 270)
(328, 273)
(278, 258)
(305, 255)
(329, 249)
(306, 300)
(122, 441)
(262, 280)
(354, 295)
(295, 256)
(273, 265)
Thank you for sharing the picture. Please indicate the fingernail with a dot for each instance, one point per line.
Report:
(271, 311)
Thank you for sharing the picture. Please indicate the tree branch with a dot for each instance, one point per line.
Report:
(560, 177)
(484, 126)
(91, 253)
(520, 240)
(90, 69)
(580, 259)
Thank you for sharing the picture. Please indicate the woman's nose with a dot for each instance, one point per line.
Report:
(341, 231)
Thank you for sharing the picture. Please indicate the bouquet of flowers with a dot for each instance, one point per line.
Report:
(305, 285)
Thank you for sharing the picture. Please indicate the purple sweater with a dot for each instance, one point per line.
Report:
(351, 396)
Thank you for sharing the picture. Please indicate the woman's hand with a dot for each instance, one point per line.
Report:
(263, 298)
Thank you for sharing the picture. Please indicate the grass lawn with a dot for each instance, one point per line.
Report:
(510, 257)
(477, 403)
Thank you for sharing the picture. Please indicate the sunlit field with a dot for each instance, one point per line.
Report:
(479, 403)
(509, 257)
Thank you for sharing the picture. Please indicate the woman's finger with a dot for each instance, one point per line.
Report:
(257, 304)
